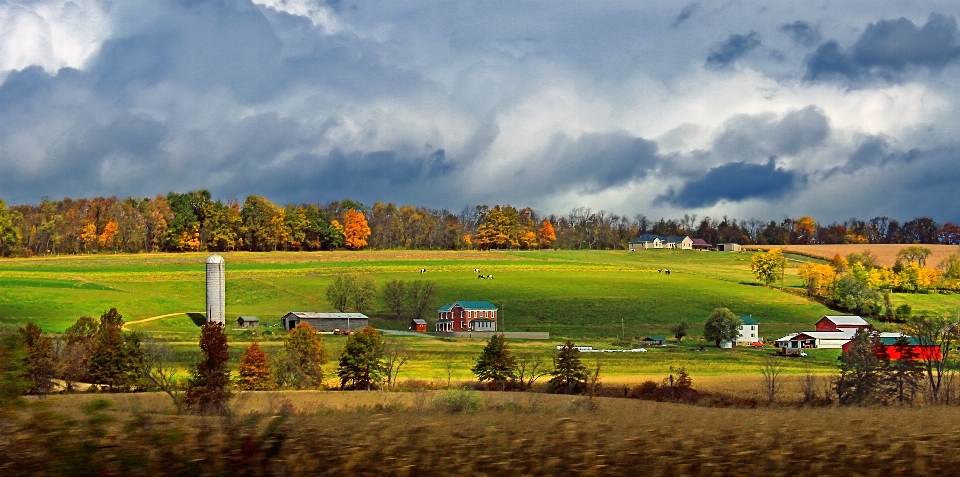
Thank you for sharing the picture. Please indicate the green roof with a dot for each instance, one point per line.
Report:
(748, 320)
(475, 305)
(445, 308)
(654, 338)
(911, 341)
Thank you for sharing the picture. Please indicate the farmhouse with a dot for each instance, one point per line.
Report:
(913, 350)
(419, 325)
(467, 316)
(646, 241)
(749, 330)
(248, 322)
(325, 321)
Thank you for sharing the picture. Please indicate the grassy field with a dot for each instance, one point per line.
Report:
(365, 433)
(591, 297)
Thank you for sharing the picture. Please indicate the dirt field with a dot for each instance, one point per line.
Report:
(886, 254)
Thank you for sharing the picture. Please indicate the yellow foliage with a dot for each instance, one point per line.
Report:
(355, 230)
(818, 277)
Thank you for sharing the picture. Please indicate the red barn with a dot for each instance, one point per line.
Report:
(419, 325)
(914, 350)
(840, 323)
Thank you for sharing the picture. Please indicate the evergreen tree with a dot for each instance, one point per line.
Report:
(361, 363)
(906, 372)
(117, 360)
(496, 365)
(300, 363)
(208, 390)
(254, 370)
(862, 371)
(13, 368)
(569, 374)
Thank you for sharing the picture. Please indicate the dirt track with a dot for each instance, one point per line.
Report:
(154, 318)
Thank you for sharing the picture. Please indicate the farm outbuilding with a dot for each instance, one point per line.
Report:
(914, 349)
(418, 325)
(842, 322)
(325, 321)
(729, 247)
(654, 341)
(816, 339)
(248, 322)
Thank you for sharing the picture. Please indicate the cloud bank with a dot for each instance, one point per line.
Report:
(742, 108)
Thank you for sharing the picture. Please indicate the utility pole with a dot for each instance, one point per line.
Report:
(623, 334)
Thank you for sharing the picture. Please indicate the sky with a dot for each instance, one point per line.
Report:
(739, 108)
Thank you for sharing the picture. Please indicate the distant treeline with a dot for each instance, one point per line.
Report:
(194, 221)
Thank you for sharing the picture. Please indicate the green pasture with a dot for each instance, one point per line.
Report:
(592, 297)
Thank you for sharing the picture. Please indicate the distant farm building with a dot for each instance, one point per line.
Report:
(418, 325)
(467, 316)
(325, 321)
(749, 330)
(842, 322)
(647, 241)
(912, 349)
(832, 332)
(654, 341)
(248, 322)
(729, 247)
(700, 244)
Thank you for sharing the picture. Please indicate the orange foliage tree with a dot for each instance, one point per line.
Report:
(545, 234)
(355, 230)
(254, 370)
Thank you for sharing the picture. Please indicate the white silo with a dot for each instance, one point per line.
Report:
(216, 309)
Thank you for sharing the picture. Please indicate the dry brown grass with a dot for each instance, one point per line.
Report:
(886, 254)
(317, 433)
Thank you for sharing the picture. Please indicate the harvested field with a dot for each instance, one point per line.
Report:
(498, 434)
(886, 254)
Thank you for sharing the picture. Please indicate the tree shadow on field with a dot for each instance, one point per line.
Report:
(198, 318)
(752, 284)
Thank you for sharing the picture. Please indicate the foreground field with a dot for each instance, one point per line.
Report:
(307, 433)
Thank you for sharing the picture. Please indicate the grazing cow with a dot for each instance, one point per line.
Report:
(667, 272)
(481, 277)
(660, 271)
(476, 270)
(490, 277)
(423, 270)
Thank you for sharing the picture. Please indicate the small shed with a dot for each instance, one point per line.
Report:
(729, 247)
(248, 322)
(418, 325)
(654, 341)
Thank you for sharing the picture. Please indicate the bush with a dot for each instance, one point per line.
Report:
(458, 401)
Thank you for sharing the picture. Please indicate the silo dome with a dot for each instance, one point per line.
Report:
(216, 278)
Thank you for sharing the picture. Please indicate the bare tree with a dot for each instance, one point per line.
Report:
(159, 367)
(930, 331)
(771, 369)
(530, 368)
(395, 355)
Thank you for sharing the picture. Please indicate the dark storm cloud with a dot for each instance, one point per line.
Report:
(888, 49)
(735, 47)
(736, 182)
(591, 163)
(875, 151)
(758, 136)
(685, 14)
(802, 33)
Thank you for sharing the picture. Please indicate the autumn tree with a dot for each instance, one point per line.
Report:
(419, 295)
(117, 359)
(546, 234)
(395, 354)
(208, 390)
(722, 325)
(160, 369)
(393, 295)
(355, 230)
(569, 374)
(914, 253)
(500, 229)
(804, 230)
(496, 365)
(299, 364)
(41, 359)
(932, 331)
(768, 266)
(254, 370)
(819, 278)
(361, 363)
